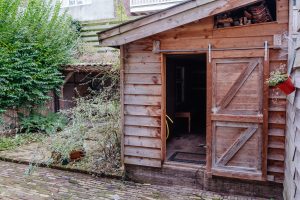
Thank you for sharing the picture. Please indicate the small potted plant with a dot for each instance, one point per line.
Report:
(282, 81)
(67, 146)
(67, 153)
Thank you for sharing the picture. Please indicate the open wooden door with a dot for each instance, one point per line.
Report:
(238, 114)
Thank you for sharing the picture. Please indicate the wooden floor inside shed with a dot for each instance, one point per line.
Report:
(187, 148)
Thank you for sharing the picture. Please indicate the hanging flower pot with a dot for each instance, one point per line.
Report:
(287, 86)
(281, 81)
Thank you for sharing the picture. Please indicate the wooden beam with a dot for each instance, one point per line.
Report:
(239, 118)
(132, 160)
(298, 18)
(61, 99)
(122, 66)
(236, 146)
(151, 18)
(163, 107)
(237, 174)
(67, 78)
(297, 59)
(209, 130)
(246, 52)
(265, 110)
(142, 142)
(154, 24)
(142, 152)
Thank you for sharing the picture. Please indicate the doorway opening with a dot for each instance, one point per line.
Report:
(186, 107)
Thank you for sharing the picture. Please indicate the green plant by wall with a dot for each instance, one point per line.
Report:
(77, 25)
(35, 40)
(12, 142)
(49, 124)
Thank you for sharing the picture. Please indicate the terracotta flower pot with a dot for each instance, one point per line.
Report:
(76, 155)
(287, 86)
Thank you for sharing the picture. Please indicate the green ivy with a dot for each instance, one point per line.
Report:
(38, 123)
(36, 39)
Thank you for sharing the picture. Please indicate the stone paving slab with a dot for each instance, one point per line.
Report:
(38, 153)
(33, 152)
(47, 183)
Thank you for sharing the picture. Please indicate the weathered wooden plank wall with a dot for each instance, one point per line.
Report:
(142, 105)
(143, 80)
(292, 159)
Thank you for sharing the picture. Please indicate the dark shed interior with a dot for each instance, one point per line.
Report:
(186, 106)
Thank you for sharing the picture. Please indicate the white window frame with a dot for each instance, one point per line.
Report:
(66, 3)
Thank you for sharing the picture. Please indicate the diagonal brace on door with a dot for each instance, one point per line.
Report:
(237, 145)
(237, 85)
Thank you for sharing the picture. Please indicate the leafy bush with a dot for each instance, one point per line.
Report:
(35, 40)
(50, 123)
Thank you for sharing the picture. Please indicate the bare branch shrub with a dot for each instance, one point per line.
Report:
(94, 120)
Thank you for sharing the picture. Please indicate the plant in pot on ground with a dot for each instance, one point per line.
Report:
(282, 81)
(68, 145)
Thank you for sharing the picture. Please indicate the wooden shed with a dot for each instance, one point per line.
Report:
(79, 80)
(204, 64)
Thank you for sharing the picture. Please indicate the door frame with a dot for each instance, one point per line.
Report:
(164, 101)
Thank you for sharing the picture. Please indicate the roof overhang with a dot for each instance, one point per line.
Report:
(87, 68)
(161, 21)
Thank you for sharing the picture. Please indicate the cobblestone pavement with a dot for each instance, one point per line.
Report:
(47, 183)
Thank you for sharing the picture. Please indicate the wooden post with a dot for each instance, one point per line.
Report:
(122, 68)
(208, 116)
(61, 101)
(266, 71)
(163, 107)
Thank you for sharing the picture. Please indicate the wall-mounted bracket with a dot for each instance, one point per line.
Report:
(209, 53)
(156, 46)
(266, 50)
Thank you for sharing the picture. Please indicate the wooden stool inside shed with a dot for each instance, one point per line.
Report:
(185, 115)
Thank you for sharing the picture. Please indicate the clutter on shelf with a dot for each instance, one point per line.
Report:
(253, 14)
